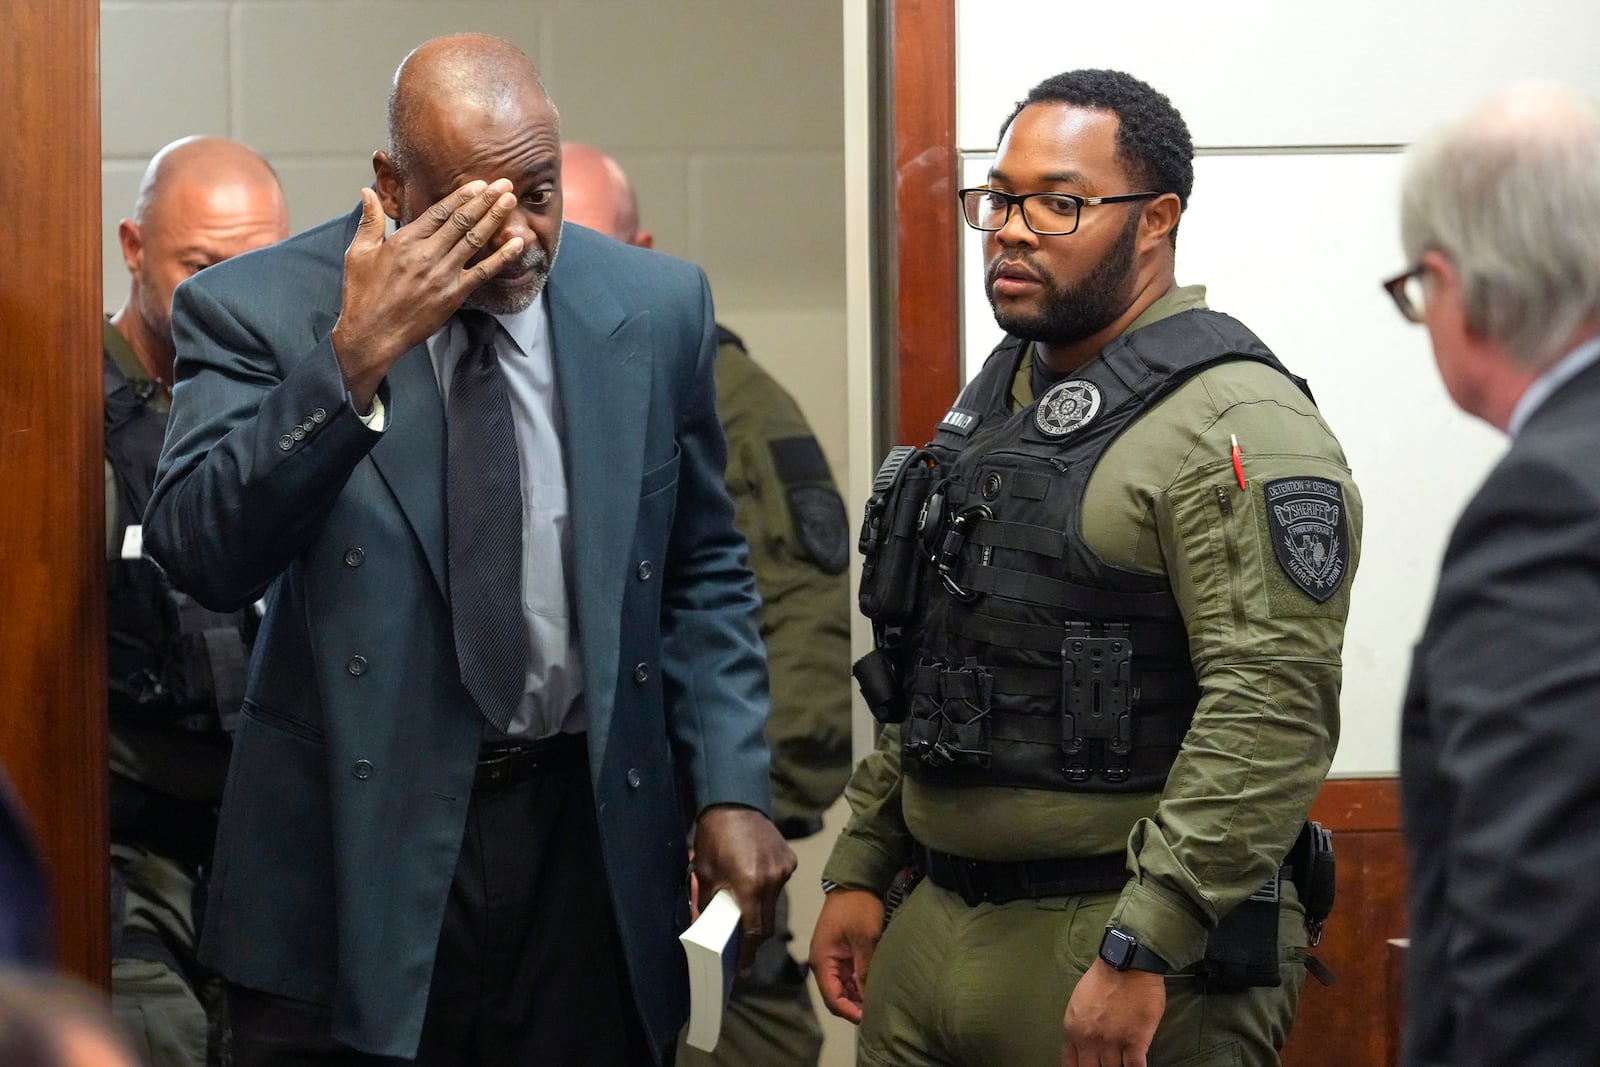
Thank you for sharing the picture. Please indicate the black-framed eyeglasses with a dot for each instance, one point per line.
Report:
(1046, 214)
(1405, 290)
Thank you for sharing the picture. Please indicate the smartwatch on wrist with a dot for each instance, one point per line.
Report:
(1122, 951)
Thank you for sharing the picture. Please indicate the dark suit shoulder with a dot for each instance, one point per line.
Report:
(641, 276)
(1562, 435)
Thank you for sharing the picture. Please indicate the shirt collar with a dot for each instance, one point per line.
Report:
(529, 327)
(1559, 373)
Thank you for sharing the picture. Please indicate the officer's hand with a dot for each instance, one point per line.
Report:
(841, 948)
(1112, 1017)
(739, 848)
(398, 291)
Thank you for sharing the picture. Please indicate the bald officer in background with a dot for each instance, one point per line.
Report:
(787, 507)
(175, 670)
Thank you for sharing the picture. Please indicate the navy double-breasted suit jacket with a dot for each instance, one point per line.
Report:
(353, 766)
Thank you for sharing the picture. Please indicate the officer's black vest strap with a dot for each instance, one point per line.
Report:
(1073, 598)
(1151, 730)
(979, 625)
(987, 882)
(133, 436)
(1040, 540)
(1156, 687)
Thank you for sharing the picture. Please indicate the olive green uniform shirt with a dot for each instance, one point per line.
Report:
(787, 507)
(1164, 500)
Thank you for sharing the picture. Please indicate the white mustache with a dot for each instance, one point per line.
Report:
(533, 259)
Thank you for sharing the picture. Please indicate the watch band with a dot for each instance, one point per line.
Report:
(1122, 951)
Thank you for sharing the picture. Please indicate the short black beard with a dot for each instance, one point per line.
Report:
(1070, 315)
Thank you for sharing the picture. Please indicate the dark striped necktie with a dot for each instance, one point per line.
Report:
(483, 497)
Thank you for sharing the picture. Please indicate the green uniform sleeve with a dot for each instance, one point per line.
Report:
(875, 844)
(1265, 635)
(786, 505)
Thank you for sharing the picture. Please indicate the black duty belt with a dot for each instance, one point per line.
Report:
(505, 763)
(989, 882)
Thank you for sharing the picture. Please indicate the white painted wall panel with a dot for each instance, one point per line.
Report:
(1270, 72)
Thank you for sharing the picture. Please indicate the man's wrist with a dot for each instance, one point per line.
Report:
(1122, 951)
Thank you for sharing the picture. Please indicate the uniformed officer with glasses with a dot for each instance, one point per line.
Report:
(1113, 690)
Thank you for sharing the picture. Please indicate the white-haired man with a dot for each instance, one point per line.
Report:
(1500, 740)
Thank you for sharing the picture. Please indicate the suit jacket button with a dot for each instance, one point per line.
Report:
(353, 557)
(362, 769)
(308, 426)
(641, 673)
(298, 434)
(319, 415)
(286, 442)
(645, 571)
(633, 778)
(357, 666)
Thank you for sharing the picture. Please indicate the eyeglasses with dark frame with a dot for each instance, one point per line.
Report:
(1405, 289)
(990, 209)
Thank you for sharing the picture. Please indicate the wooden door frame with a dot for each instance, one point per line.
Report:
(52, 529)
(927, 309)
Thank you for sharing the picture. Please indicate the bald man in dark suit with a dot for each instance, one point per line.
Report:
(480, 486)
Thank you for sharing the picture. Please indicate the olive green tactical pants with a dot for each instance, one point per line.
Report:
(986, 986)
(770, 1020)
(162, 1016)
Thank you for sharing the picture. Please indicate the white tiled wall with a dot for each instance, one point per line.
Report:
(726, 113)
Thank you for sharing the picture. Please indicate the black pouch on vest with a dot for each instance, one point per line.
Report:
(1242, 952)
(891, 536)
(877, 675)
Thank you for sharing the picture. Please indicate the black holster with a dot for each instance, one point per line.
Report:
(877, 675)
(1315, 878)
(1242, 952)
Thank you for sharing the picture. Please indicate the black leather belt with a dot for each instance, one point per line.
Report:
(504, 763)
(987, 882)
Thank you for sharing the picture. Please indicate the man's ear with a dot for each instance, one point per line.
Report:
(132, 242)
(644, 239)
(391, 190)
(1444, 291)
(1159, 218)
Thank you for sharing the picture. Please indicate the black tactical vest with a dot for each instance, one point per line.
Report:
(1034, 663)
(170, 662)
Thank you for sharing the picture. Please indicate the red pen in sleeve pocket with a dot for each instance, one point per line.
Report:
(1238, 460)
